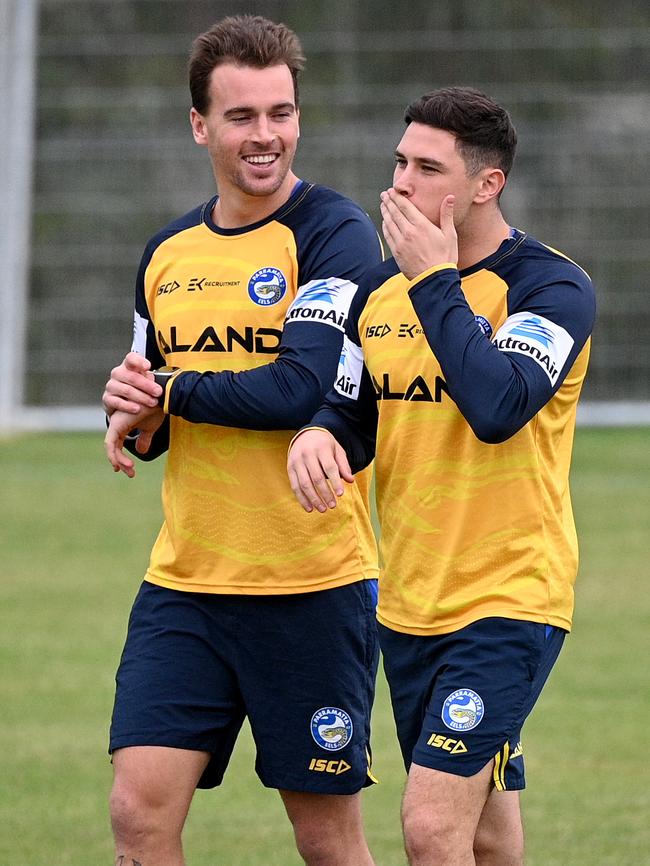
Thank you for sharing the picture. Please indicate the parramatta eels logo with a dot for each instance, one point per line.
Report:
(267, 286)
(484, 325)
(331, 728)
(463, 710)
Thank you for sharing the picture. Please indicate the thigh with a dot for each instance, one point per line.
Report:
(307, 676)
(448, 817)
(174, 687)
(460, 699)
(323, 814)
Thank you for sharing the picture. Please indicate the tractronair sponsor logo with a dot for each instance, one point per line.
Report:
(447, 744)
(548, 344)
(316, 314)
(324, 301)
(140, 325)
(417, 391)
(265, 341)
(322, 765)
(348, 375)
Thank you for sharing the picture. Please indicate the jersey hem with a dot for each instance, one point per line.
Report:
(524, 616)
(233, 589)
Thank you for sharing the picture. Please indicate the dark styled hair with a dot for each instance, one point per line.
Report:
(246, 40)
(485, 136)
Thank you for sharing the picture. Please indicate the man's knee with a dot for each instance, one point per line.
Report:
(317, 849)
(152, 790)
(327, 828)
(141, 812)
(320, 841)
(134, 815)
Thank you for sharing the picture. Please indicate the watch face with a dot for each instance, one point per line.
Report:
(162, 377)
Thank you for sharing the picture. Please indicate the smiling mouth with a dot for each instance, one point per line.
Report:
(260, 158)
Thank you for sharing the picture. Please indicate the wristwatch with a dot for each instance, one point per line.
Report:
(162, 376)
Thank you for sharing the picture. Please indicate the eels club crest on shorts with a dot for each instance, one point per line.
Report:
(462, 710)
(267, 286)
(331, 728)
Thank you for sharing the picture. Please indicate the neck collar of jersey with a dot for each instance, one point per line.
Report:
(505, 249)
(297, 194)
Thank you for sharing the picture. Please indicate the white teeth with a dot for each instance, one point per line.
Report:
(260, 160)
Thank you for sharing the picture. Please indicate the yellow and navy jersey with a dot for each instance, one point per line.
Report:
(256, 317)
(467, 385)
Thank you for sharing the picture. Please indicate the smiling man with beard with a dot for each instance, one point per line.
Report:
(242, 603)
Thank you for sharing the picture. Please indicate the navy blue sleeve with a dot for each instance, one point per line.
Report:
(281, 395)
(349, 411)
(285, 393)
(500, 384)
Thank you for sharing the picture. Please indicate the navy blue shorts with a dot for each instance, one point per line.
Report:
(461, 699)
(300, 667)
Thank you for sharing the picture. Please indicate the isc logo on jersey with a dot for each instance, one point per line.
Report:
(326, 301)
(542, 340)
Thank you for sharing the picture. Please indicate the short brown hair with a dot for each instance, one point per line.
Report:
(483, 129)
(246, 40)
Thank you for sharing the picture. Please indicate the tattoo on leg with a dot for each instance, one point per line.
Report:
(121, 861)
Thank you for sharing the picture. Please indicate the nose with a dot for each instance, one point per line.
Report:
(262, 129)
(402, 182)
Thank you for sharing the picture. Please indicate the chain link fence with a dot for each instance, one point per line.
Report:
(114, 158)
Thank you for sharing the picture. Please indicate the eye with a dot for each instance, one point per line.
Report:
(430, 169)
(400, 161)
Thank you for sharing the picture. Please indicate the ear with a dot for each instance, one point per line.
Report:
(197, 122)
(491, 182)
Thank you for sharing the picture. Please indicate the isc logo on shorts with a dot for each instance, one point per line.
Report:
(441, 741)
(331, 728)
(322, 765)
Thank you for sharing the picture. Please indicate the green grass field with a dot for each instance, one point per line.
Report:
(74, 543)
